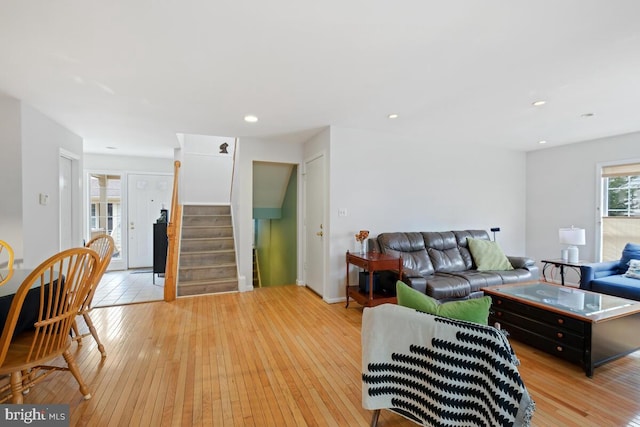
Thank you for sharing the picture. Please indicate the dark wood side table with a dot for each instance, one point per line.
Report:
(371, 261)
(562, 264)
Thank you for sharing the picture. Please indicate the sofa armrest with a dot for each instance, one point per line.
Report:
(595, 270)
(525, 263)
(521, 262)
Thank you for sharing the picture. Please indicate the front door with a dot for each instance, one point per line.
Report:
(314, 224)
(147, 195)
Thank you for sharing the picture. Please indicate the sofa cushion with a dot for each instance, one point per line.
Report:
(472, 310)
(447, 286)
(630, 251)
(488, 256)
(516, 275)
(443, 251)
(410, 246)
(618, 285)
(479, 279)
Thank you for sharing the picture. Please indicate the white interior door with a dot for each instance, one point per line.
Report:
(315, 201)
(66, 204)
(147, 195)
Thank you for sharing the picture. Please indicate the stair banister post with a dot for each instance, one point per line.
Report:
(173, 228)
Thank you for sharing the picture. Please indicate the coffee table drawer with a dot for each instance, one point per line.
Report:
(539, 314)
(564, 351)
(562, 336)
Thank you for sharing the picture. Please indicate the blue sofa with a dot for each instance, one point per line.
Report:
(608, 277)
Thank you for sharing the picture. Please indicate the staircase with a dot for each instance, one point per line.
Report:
(207, 253)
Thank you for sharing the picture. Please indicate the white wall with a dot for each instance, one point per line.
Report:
(248, 151)
(206, 173)
(395, 183)
(11, 175)
(42, 140)
(132, 164)
(561, 191)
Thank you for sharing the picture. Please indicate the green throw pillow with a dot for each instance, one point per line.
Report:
(472, 310)
(409, 297)
(487, 255)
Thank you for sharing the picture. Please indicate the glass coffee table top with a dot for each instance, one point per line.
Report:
(564, 298)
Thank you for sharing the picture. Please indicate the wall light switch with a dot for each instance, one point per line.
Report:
(44, 199)
(342, 212)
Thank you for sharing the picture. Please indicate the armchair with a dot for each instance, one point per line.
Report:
(609, 277)
(440, 371)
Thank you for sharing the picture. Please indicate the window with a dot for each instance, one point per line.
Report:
(94, 216)
(621, 208)
(623, 195)
(105, 207)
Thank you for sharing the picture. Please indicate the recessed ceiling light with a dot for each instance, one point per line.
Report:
(542, 142)
(392, 116)
(538, 103)
(250, 118)
(111, 148)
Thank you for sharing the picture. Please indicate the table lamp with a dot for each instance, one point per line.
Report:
(572, 237)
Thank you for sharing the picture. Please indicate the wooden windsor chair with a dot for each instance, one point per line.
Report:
(6, 255)
(62, 283)
(104, 245)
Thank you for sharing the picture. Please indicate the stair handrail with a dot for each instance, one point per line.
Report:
(173, 230)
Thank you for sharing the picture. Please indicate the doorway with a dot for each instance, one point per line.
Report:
(125, 207)
(275, 219)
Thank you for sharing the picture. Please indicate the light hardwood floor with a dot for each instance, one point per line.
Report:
(280, 356)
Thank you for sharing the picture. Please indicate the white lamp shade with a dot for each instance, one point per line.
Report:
(572, 236)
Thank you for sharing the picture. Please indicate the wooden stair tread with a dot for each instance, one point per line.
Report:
(207, 281)
(208, 226)
(211, 251)
(202, 267)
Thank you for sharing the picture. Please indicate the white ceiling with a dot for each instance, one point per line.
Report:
(131, 74)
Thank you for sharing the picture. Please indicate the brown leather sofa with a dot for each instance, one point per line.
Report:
(440, 264)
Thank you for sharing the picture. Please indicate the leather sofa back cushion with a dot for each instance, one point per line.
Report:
(461, 237)
(410, 246)
(443, 251)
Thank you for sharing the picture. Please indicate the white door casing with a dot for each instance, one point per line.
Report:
(66, 203)
(314, 224)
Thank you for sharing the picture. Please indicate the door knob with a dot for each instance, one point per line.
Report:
(320, 233)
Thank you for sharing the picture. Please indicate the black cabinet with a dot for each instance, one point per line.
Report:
(160, 244)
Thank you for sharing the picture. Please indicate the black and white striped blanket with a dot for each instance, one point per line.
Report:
(440, 372)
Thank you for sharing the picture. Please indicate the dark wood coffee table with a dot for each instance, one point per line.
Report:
(580, 326)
